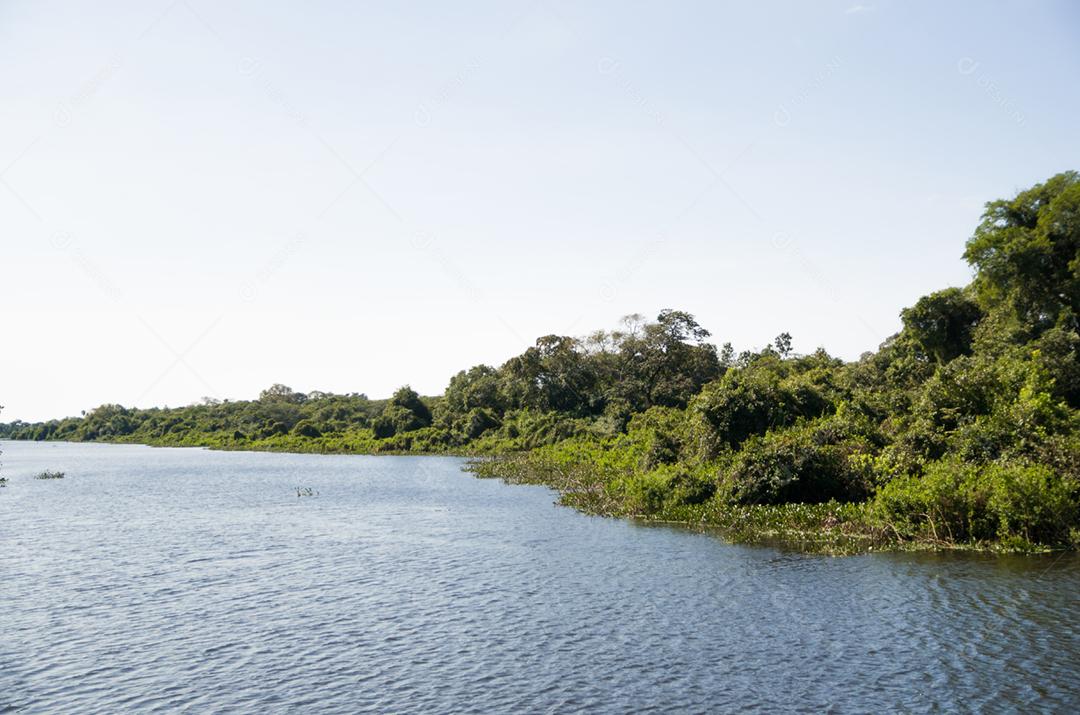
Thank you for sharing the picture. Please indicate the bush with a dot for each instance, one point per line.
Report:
(432, 439)
(478, 421)
(767, 394)
(690, 486)
(645, 492)
(305, 428)
(657, 432)
(529, 429)
(383, 427)
(815, 462)
(960, 502)
(1032, 503)
(275, 428)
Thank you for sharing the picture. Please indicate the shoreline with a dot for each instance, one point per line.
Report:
(827, 528)
(841, 530)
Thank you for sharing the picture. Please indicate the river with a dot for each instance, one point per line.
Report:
(185, 580)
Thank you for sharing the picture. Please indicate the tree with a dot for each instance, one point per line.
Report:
(555, 374)
(1026, 252)
(407, 411)
(665, 363)
(478, 387)
(108, 421)
(282, 393)
(942, 324)
(783, 344)
(472, 404)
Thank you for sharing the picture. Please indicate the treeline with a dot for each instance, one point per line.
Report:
(561, 387)
(963, 428)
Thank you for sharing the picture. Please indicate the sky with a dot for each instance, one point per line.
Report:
(201, 199)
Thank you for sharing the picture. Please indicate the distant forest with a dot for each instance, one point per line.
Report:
(961, 429)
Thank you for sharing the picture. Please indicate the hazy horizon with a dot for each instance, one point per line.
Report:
(202, 200)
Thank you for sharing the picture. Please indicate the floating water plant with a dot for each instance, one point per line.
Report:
(306, 492)
(50, 475)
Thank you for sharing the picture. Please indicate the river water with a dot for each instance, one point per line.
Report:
(194, 581)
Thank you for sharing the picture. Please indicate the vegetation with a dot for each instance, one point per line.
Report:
(50, 475)
(963, 429)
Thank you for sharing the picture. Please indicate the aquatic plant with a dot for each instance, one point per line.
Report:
(306, 492)
(50, 475)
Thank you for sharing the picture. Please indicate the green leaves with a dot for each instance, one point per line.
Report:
(1026, 252)
(1025, 504)
(943, 324)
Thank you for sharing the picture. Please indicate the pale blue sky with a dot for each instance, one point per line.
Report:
(207, 198)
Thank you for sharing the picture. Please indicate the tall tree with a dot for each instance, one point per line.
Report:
(666, 362)
(1026, 253)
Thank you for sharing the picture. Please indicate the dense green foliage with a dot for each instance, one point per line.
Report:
(961, 429)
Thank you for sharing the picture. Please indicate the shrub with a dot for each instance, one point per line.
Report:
(658, 433)
(960, 502)
(1032, 503)
(815, 462)
(383, 427)
(478, 421)
(690, 486)
(403, 420)
(530, 429)
(768, 394)
(304, 428)
(275, 428)
(645, 492)
(432, 439)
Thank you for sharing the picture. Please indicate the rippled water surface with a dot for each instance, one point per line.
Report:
(188, 580)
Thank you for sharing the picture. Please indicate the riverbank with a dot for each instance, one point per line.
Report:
(360, 442)
(604, 479)
(593, 483)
